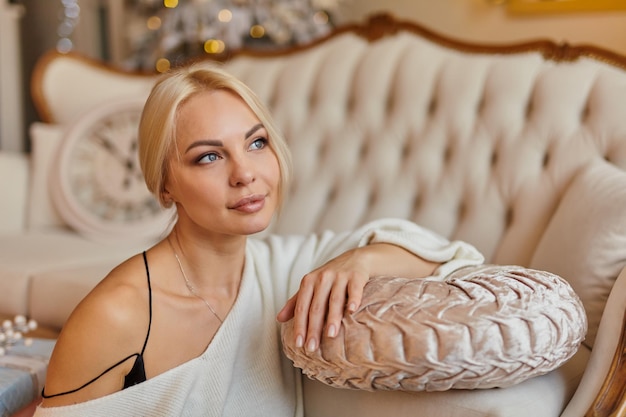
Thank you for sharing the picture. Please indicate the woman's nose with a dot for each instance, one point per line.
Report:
(242, 172)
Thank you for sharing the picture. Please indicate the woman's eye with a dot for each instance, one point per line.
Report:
(208, 158)
(259, 143)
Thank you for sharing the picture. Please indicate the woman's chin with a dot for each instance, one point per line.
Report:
(257, 227)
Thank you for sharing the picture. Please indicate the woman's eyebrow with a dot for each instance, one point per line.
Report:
(216, 142)
(204, 142)
(254, 129)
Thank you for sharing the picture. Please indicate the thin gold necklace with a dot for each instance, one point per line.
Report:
(190, 287)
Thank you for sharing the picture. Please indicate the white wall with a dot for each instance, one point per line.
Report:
(488, 21)
(11, 112)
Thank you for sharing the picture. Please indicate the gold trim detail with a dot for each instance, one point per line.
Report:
(559, 6)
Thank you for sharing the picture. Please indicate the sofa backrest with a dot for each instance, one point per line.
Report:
(388, 119)
(65, 86)
(475, 142)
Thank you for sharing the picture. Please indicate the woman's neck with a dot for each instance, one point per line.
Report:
(212, 263)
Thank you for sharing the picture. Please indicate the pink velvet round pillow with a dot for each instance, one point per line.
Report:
(482, 327)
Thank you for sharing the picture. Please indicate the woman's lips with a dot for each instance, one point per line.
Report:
(250, 204)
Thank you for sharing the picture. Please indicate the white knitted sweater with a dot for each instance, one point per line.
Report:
(243, 371)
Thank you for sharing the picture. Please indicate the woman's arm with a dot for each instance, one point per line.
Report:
(337, 286)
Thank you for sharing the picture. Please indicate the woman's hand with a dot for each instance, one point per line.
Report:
(323, 296)
(336, 287)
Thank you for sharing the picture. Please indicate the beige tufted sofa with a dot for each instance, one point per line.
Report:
(517, 149)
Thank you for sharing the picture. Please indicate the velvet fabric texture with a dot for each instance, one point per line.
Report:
(482, 327)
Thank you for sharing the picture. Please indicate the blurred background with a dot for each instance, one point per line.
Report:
(152, 35)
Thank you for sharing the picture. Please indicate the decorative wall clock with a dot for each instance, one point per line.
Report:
(97, 185)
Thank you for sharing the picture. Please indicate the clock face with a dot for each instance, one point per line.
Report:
(99, 187)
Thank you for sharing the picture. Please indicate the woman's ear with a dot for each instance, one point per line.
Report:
(166, 197)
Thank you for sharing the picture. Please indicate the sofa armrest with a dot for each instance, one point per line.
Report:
(602, 387)
(611, 400)
(14, 177)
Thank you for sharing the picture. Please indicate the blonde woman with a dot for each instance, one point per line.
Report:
(190, 327)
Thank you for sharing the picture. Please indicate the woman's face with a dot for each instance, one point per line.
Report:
(226, 180)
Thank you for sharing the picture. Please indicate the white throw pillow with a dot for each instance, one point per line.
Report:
(585, 241)
(45, 139)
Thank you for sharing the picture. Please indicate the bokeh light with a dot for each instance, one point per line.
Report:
(225, 16)
(257, 31)
(162, 65)
(321, 18)
(64, 45)
(153, 23)
(214, 46)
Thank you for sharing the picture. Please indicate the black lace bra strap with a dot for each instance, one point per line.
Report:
(43, 394)
(137, 373)
(145, 261)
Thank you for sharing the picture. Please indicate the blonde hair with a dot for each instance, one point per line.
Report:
(157, 126)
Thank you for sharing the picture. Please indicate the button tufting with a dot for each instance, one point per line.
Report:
(417, 202)
(432, 106)
(494, 158)
(584, 114)
(529, 109)
(509, 217)
(461, 210)
(447, 154)
(406, 147)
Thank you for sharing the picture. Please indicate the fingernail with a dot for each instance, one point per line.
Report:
(332, 331)
(299, 341)
(311, 346)
(352, 308)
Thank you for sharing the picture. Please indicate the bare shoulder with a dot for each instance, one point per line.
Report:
(108, 325)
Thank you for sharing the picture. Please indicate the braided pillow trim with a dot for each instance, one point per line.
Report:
(484, 326)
